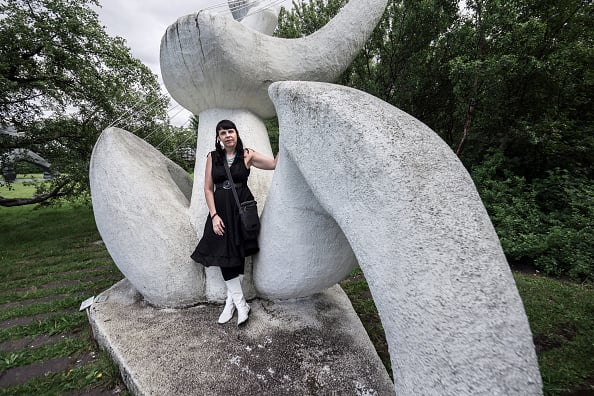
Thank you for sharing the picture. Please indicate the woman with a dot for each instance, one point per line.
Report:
(222, 244)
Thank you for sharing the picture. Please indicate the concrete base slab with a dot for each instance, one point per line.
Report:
(310, 346)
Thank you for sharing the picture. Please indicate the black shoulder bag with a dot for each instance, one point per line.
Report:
(248, 211)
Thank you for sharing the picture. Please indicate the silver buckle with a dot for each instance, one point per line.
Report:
(227, 185)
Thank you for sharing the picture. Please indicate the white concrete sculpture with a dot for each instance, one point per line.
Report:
(21, 154)
(140, 201)
(453, 318)
(220, 68)
(357, 180)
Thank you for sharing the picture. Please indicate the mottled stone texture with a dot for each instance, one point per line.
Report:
(141, 201)
(211, 61)
(453, 318)
(220, 68)
(305, 347)
(303, 250)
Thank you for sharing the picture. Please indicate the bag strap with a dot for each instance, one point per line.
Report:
(232, 183)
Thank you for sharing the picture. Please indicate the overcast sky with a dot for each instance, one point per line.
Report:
(142, 23)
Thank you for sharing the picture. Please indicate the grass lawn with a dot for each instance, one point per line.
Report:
(561, 316)
(52, 259)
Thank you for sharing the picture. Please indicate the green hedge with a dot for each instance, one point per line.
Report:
(548, 222)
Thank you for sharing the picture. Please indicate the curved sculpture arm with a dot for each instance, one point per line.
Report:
(302, 249)
(21, 154)
(141, 201)
(453, 318)
(212, 61)
(263, 21)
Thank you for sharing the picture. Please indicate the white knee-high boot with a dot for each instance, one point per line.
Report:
(229, 309)
(243, 309)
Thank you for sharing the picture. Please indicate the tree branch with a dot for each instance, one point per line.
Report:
(9, 102)
(475, 86)
(56, 192)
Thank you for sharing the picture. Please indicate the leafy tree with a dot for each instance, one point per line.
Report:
(401, 63)
(530, 63)
(305, 18)
(534, 105)
(62, 81)
(194, 122)
(176, 143)
(553, 233)
(508, 85)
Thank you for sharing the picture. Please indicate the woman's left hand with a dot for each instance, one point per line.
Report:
(218, 226)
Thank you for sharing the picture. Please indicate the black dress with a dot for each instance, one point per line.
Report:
(229, 249)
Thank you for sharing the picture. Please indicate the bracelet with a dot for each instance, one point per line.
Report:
(213, 216)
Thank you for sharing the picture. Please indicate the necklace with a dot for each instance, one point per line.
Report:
(230, 160)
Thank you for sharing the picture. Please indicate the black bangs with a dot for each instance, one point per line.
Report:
(225, 124)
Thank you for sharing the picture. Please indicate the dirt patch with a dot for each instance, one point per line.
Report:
(564, 332)
(115, 277)
(355, 278)
(524, 268)
(31, 342)
(586, 390)
(98, 392)
(582, 392)
(20, 375)
(51, 285)
(543, 343)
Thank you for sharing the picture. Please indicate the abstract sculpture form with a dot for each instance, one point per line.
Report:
(386, 183)
(358, 180)
(8, 161)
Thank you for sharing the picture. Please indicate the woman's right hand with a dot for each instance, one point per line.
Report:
(218, 226)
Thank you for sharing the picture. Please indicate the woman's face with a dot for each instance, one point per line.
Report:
(228, 137)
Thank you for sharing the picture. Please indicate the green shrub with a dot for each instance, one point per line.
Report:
(546, 222)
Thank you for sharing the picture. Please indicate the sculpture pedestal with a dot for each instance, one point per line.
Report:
(309, 346)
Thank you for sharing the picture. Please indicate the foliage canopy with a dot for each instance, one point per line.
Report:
(63, 80)
(508, 85)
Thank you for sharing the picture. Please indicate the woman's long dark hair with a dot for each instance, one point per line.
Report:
(226, 124)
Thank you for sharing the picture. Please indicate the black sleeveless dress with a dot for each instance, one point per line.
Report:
(230, 249)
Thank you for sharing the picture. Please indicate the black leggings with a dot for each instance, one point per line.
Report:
(232, 272)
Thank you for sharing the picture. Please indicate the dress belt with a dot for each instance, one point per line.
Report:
(226, 185)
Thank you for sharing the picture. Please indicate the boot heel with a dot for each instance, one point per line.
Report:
(243, 314)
